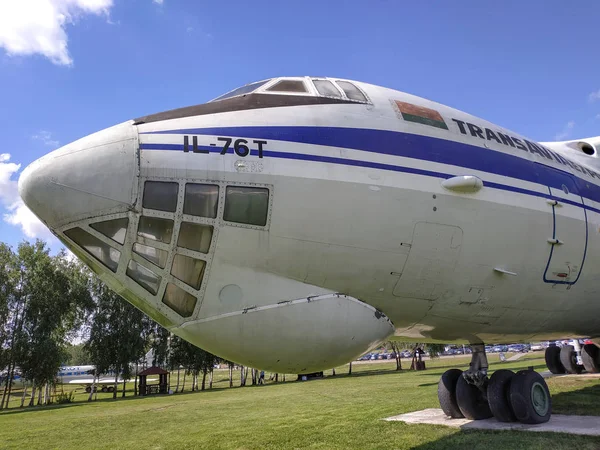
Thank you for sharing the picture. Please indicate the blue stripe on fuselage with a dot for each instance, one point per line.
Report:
(369, 164)
(401, 144)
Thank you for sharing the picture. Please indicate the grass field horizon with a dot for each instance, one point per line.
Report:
(334, 412)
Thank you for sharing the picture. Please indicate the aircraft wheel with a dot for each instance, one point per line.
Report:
(553, 360)
(447, 393)
(530, 398)
(590, 354)
(568, 359)
(103, 389)
(88, 389)
(498, 394)
(471, 401)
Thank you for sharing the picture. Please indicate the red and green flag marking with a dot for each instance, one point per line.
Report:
(420, 114)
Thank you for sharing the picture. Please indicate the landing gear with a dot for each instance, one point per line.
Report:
(568, 358)
(530, 397)
(472, 400)
(573, 359)
(498, 394)
(553, 360)
(447, 393)
(509, 397)
(590, 354)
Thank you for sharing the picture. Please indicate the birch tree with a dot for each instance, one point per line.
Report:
(117, 334)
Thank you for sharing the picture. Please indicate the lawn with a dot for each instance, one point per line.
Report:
(332, 413)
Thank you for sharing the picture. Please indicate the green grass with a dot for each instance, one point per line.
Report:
(334, 413)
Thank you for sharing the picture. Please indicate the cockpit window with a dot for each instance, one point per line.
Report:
(201, 200)
(154, 255)
(144, 277)
(195, 236)
(156, 229)
(114, 229)
(242, 90)
(160, 195)
(326, 88)
(95, 247)
(183, 303)
(247, 205)
(352, 92)
(288, 86)
(189, 270)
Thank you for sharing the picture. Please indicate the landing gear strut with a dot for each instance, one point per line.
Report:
(507, 396)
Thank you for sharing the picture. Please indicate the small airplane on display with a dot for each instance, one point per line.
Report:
(75, 375)
(294, 223)
(84, 376)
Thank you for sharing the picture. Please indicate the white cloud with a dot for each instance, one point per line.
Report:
(566, 131)
(30, 27)
(8, 188)
(46, 138)
(594, 96)
(158, 2)
(17, 213)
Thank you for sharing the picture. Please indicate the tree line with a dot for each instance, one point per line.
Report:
(47, 302)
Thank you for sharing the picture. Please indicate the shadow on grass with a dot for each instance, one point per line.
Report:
(130, 396)
(31, 409)
(488, 440)
(585, 401)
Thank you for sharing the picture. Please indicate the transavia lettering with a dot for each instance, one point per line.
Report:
(473, 130)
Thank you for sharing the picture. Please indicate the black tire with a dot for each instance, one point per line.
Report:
(447, 393)
(498, 394)
(568, 358)
(590, 354)
(471, 401)
(530, 398)
(553, 360)
(88, 389)
(104, 389)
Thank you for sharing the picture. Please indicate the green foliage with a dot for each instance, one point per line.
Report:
(43, 301)
(51, 306)
(159, 343)
(76, 355)
(118, 332)
(434, 350)
(7, 292)
(65, 397)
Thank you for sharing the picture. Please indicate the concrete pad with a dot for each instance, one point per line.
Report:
(558, 423)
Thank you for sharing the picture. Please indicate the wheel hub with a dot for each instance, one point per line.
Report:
(539, 399)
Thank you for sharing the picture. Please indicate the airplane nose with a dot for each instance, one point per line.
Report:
(93, 176)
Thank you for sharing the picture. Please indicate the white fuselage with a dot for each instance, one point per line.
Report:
(356, 206)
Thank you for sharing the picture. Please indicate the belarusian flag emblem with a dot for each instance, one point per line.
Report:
(420, 114)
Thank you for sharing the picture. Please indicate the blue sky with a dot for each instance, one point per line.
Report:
(72, 67)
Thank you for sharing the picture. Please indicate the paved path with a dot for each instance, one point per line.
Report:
(587, 425)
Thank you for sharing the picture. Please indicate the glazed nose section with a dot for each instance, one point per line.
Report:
(93, 176)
